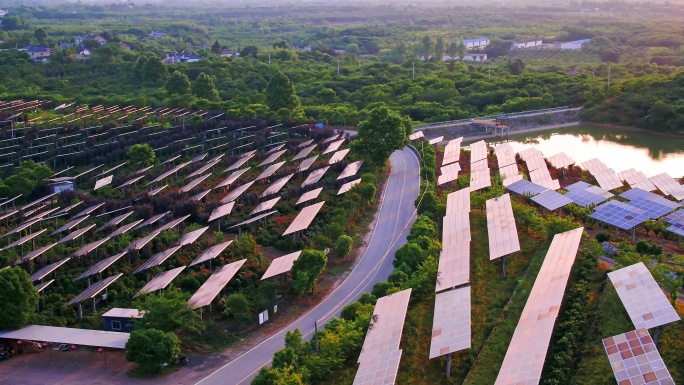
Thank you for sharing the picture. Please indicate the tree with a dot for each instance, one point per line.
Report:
(168, 312)
(216, 47)
(439, 48)
(306, 269)
(250, 50)
(91, 44)
(142, 154)
(343, 246)
(204, 87)
(461, 50)
(238, 307)
(30, 176)
(280, 93)
(281, 44)
(154, 69)
(178, 83)
(380, 135)
(150, 348)
(40, 35)
(18, 298)
(428, 46)
(352, 48)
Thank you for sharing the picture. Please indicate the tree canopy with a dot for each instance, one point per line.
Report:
(30, 176)
(280, 93)
(142, 154)
(150, 348)
(204, 87)
(168, 312)
(306, 270)
(178, 83)
(18, 298)
(384, 132)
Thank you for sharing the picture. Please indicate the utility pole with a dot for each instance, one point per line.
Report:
(608, 76)
(490, 71)
(338, 67)
(414, 70)
(269, 59)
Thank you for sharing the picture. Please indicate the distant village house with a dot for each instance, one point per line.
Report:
(157, 34)
(476, 43)
(226, 53)
(478, 57)
(526, 44)
(181, 57)
(574, 45)
(37, 52)
(79, 39)
(125, 46)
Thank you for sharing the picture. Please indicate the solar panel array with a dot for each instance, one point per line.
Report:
(270, 170)
(551, 200)
(194, 183)
(93, 290)
(584, 197)
(646, 304)
(304, 218)
(281, 265)
(416, 135)
(478, 151)
(304, 153)
(338, 156)
(263, 206)
(236, 193)
(436, 140)
(351, 169)
(561, 160)
(525, 187)
(157, 259)
(387, 323)
(191, 237)
(213, 286)
(276, 186)
(542, 177)
(334, 146)
(101, 266)
(157, 190)
(315, 176)
(480, 179)
(668, 185)
(211, 253)
(89, 210)
(34, 254)
(619, 214)
(254, 219)
(533, 158)
(330, 139)
(306, 163)
(221, 211)
(116, 220)
(272, 158)
(451, 330)
(379, 370)
(675, 217)
(161, 281)
(309, 195)
(47, 269)
(452, 151)
(458, 201)
(525, 356)
(503, 234)
(605, 176)
(635, 359)
(348, 186)
(505, 155)
(23, 239)
(636, 179)
(448, 173)
(103, 182)
(232, 178)
(239, 163)
(479, 165)
(76, 234)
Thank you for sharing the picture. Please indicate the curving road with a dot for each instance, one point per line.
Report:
(394, 220)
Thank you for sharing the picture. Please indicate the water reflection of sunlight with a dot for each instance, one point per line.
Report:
(618, 156)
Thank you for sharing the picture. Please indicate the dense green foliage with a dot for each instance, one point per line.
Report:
(150, 348)
(18, 298)
(380, 135)
(306, 270)
(30, 176)
(168, 311)
(141, 154)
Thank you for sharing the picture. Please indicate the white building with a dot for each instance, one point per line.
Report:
(476, 43)
(479, 57)
(573, 45)
(526, 44)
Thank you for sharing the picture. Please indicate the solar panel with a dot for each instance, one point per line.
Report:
(201, 170)
(198, 158)
(479, 165)
(594, 165)
(668, 185)
(304, 153)
(270, 170)
(161, 281)
(652, 209)
(157, 190)
(304, 144)
(351, 169)
(103, 182)
(93, 290)
(213, 286)
(232, 178)
(90, 247)
(306, 163)
(247, 154)
(636, 179)
(386, 325)
(535, 160)
(157, 259)
(168, 173)
(315, 176)
(141, 242)
(478, 151)
(458, 201)
(152, 220)
(619, 214)
(41, 286)
(46, 270)
(263, 206)
(254, 219)
(276, 186)
(677, 228)
(276, 148)
(379, 370)
(561, 160)
(607, 179)
(637, 193)
(452, 151)
(111, 169)
(338, 156)
(451, 330)
(41, 214)
(34, 254)
(281, 265)
(211, 253)
(23, 240)
(89, 210)
(191, 237)
(272, 158)
(480, 179)
(69, 225)
(173, 223)
(509, 171)
(456, 228)
(19, 228)
(542, 177)
(635, 359)
(193, 183)
(676, 217)
(436, 140)
(101, 266)
(584, 197)
(67, 209)
(239, 163)
(503, 234)
(333, 147)
(449, 173)
(525, 356)
(76, 234)
(525, 187)
(644, 300)
(454, 265)
(416, 135)
(235, 193)
(348, 186)
(551, 200)
(330, 139)
(116, 220)
(580, 185)
(304, 218)
(199, 195)
(307, 196)
(221, 211)
(131, 181)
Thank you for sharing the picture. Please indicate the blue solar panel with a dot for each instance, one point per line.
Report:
(652, 209)
(677, 228)
(551, 200)
(619, 214)
(578, 186)
(524, 186)
(637, 193)
(676, 217)
(584, 198)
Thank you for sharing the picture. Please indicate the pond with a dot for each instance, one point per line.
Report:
(619, 149)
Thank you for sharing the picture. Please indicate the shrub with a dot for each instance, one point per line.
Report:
(603, 237)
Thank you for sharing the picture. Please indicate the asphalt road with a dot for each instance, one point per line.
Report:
(394, 221)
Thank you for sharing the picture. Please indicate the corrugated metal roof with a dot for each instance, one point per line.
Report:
(114, 340)
(120, 312)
